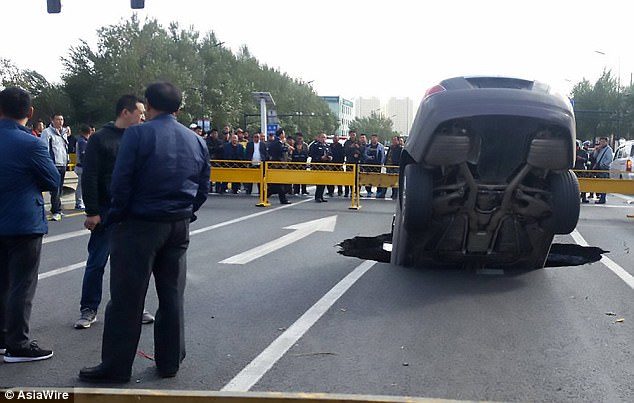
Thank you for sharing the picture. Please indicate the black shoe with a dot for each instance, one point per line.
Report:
(28, 354)
(324, 201)
(99, 375)
(284, 202)
(599, 202)
(305, 193)
(585, 201)
(166, 374)
(330, 194)
(317, 200)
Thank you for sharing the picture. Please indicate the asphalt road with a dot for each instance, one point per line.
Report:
(306, 319)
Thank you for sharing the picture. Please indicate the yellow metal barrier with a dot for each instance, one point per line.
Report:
(599, 182)
(72, 162)
(237, 172)
(302, 173)
(99, 395)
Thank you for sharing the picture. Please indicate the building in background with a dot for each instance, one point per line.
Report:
(401, 111)
(366, 106)
(343, 109)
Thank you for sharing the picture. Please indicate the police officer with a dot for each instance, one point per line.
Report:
(320, 152)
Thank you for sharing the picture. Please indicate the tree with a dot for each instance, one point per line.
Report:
(216, 83)
(375, 124)
(603, 108)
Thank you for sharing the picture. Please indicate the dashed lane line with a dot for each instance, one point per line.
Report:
(609, 263)
(79, 265)
(67, 235)
(257, 368)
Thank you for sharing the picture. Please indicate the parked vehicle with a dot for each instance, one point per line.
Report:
(485, 176)
(621, 166)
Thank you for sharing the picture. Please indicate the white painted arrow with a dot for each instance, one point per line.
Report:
(302, 230)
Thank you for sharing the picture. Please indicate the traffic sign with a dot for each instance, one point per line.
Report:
(271, 129)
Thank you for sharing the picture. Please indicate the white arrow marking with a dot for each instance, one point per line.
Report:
(302, 230)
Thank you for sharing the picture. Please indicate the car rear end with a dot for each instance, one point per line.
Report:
(489, 149)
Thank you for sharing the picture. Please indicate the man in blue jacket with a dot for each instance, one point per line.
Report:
(26, 170)
(160, 179)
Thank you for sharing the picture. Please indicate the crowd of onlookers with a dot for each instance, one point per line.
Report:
(595, 158)
(240, 145)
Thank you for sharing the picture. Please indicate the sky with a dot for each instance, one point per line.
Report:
(357, 48)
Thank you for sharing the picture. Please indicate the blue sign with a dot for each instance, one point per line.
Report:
(271, 129)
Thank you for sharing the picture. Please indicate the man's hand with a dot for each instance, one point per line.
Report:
(92, 222)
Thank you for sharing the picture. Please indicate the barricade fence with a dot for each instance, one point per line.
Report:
(357, 176)
(591, 181)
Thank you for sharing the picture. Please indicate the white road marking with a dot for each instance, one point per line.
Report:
(80, 265)
(246, 217)
(67, 235)
(609, 263)
(61, 270)
(257, 368)
(628, 199)
(302, 230)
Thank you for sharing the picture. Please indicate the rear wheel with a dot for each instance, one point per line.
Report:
(416, 197)
(565, 204)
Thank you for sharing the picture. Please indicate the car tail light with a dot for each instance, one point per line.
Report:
(628, 165)
(434, 90)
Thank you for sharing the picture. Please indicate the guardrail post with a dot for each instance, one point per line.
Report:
(264, 189)
(354, 194)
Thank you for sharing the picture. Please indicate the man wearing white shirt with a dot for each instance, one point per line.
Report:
(256, 153)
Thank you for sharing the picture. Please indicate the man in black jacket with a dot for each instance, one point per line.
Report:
(320, 152)
(300, 154)
(233, 151)
(98, 163)
(353, 153)
(160, 179)
(338, 155)
(278, 151)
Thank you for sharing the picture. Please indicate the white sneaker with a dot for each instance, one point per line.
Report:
(56, 217)
(3, 350)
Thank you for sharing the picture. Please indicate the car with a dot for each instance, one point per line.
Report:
(485, 177)
(621, 166)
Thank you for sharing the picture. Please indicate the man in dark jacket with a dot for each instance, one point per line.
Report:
(233, 151)
(98, 161)
(300, 154)
(160, 179)
(320, 152)
(278, 151)
(353, 153)
(338, 156)
(393, 157)
(580, 165)
(214, 145)
(257, 154)
(26, 170)
(80, 152)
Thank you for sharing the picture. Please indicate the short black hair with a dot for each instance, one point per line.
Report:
(164, 96)
(15, 103)
(127, 102)
(279, 131)
(85, 129)
(56, 114)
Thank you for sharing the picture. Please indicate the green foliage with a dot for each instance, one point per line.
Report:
(603, 108)
(375, 124)
(215, 82)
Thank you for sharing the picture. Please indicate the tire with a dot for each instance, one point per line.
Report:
(416, 197)
(565, 204)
